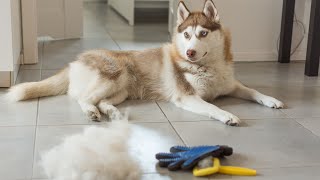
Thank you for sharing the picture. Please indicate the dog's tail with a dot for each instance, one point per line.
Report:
(55, 85)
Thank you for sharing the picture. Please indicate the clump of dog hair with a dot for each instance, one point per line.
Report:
(96, 154)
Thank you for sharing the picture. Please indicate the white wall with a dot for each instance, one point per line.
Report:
(255, 26)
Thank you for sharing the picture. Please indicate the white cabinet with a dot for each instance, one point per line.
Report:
(126, 7)
(10, 40)
(60, 19)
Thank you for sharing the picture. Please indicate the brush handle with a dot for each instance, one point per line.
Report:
(231, 170)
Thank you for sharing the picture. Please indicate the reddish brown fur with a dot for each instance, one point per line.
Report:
(103, 62)
(198, 18)
(227, 45)
(144, 69)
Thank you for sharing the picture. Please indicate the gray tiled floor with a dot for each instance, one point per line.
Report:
(281, 144)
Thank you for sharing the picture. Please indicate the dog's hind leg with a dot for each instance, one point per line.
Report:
(95, 92)
(244, 92)
(106, 106)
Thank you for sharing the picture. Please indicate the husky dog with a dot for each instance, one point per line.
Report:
(189, 72)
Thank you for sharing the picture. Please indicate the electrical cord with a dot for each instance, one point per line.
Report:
(296, 20)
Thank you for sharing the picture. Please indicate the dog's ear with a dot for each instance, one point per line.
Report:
(211, 11)
(183, 12)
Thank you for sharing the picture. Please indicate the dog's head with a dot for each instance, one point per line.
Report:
(196, 31)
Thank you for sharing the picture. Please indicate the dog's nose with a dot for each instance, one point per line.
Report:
(191, 53)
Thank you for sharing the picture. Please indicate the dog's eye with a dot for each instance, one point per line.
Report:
(186, 35)
(203, 33)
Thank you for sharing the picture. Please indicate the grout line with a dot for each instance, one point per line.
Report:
(35, 137)
(113, 39)
(242, 119)
(56, 69)
(171, 125)
(293, 117)
(107, 31)
(290, 166)
(306, 128)
(13, 126)
(42, 55)
(98, 124)
(38, 105)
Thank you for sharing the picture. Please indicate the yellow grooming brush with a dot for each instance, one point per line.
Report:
(217, 168)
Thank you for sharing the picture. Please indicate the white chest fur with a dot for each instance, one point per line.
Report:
(212, 81)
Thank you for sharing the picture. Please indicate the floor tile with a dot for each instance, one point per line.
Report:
(297, 173)
(57, 54)
(146, 140)
(248, 110)
(48, 137)
(17, 113)
(134, 39)
(61, 110)
(137, 45)
(48, 73)
(174, 113)
(94, 25)
(300, 101)
(142, 111)
(138, 37)
(92, 31)
(179, 175)
(312, 124)
(272, 74)
(27, 75)
(16, 152)
(268, 143)
(140, 33)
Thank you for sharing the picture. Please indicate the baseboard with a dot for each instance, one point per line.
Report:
(15, 72)
(5, 79)
(252, 56)
(8, 78)
(299, 55)
(261, 57)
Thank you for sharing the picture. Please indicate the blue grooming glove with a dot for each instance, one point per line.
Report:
(182, 157)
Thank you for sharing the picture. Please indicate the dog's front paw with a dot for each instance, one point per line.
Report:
(228, 118)
(271, 102)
